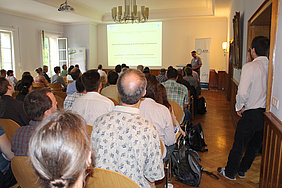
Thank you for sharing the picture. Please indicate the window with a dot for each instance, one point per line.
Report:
(54, 52)
(6, 50)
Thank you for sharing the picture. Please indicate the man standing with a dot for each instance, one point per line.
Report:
(196, 62)
(45, 70)
(38, 104)
(125, 142)
(57, 78)
(92, 104)
(64, 71)
(250, 106)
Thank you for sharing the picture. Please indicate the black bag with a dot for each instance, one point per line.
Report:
(202, 106)
(195, 137)
(185, 164)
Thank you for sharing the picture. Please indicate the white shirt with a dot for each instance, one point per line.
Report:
(160, 117)
(13, 80)
(102, 73)
(92, 105)
(253, 85)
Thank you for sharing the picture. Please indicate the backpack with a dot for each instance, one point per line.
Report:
(202, 105)
(195, 137)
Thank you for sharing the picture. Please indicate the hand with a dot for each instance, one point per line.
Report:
(240, 112)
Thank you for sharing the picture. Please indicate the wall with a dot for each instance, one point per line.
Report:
(83, 36)
(277, 67)
(27, 32)
(179, 40)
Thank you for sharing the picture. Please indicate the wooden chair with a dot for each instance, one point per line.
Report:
(9, 126)
(60, 102)
(23, 172)
(65, 78)
(60, 93)
(37, 85)
(70, 81)
(177, 110)
(162, 147)
(55, 87)
(114, 101)
(108, 179)
(89, 130)
(15, 94)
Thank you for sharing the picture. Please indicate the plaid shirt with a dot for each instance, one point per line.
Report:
(70, 99)
(21, 138)
(176, 92)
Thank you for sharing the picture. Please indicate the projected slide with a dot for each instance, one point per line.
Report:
(135, 44)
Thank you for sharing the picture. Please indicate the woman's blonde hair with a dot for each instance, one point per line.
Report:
(59, 149)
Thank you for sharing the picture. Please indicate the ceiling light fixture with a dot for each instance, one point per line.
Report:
(130, 14)
(65, 7)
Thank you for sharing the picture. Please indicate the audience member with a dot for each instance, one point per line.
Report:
(123, 66)
(69, 73)
(125, 142)
(60, 151)
(92, 104)
(118, 69)
(77, 66)
(146, 70)
(64, 71)
(103, 75)
(10, 76)
(194, 73)
(45, 70)
(7, 178)
(11, 108)
(159, 115)
(182, 81)
(24, 87)
(26, 74)
(192, 81)
(140, 68)
(57, 78)
(71, 98)
(38, 104)
(161, 77)
(75, 74)
(3, 73)
(177, 92)
(111, 90)
(40, 78)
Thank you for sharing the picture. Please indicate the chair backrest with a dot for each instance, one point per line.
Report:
(65, 78)
(23, 172)
(178, 112)
(89, 130)
(60, 102)
(114, 101)
(108, 179)
(37, 85)
(162, 147)
(9, 126)
(60, 93)
(56, 87)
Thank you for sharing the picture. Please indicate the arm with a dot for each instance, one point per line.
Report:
(200, 64)
(169, 129)
(5, 147)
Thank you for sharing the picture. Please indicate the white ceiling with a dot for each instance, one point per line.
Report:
(99, 10)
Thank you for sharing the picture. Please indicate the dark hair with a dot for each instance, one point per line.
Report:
(70, 68)
(193, 52)
(261, 45)
(38, 70)
(170, 67)
(45, 67)
(163, 96)
(79, 85)
(189, 65)
(188, 71)
(146, 70)
(3, 71)
(112, 78)
(152, 87)
(36, 103)
(100, 66)
(171, 73)
(162, 70)
(4, 83)
(123, 65)
(91, 80)
(26, 74)
(118, 68)
(64, 65)
(131, 94)
(57, 69)
(24, 84)
(77, 66)
(75, 74)
(9, 72)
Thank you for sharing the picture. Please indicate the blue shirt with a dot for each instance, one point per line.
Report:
(4, 164)
(71, 88)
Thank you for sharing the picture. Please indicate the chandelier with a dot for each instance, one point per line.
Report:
(130, 13)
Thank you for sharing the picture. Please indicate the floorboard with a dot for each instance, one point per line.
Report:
(219, 132)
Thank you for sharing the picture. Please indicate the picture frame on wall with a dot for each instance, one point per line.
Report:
(237, 62)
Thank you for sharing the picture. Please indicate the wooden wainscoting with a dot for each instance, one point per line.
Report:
(234, 87)
(271, 162)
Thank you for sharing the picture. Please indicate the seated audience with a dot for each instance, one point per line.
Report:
(140, 67)
(159, 115)
(177, 92)
(10, 76)
(118, 69)
(11, 108)
(64, 71)
(24, 87)
(182, 81)
(3, 73)
(59, 151)
(111, 90)
(161, 77)
(38, 104)
(125, 142)
(75, 74)
(69, 73)
(192, 81)
(57, 78)
(77, 66)
(92, 104)
(7, 178)
(40, 78)
(71, 98)
(103, 75)
(45, 70)
(194, 73)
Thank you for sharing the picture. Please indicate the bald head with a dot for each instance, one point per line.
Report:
(131, 86)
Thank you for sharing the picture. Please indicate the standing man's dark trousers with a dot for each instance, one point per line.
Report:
(248, 136)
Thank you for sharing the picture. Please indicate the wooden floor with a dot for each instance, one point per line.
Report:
(219, 132)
